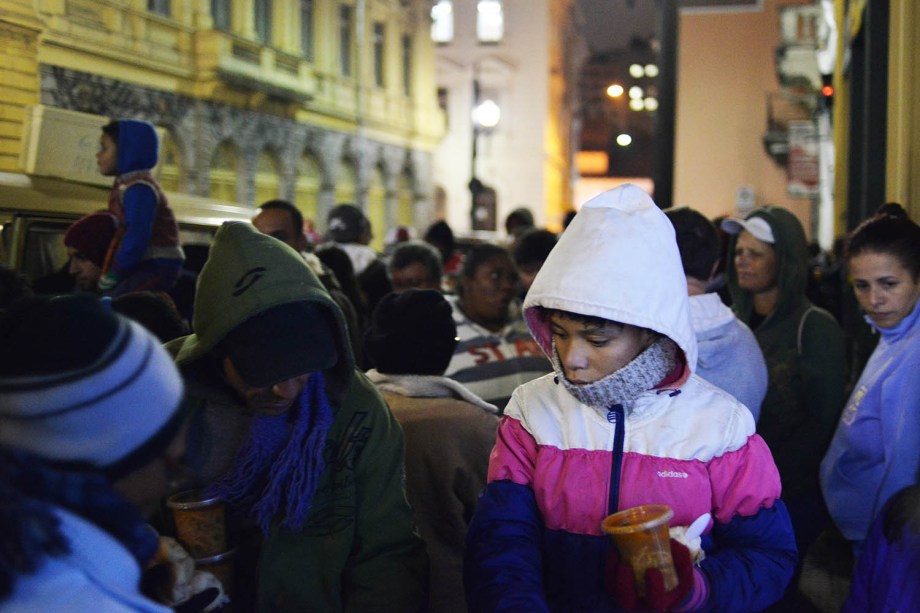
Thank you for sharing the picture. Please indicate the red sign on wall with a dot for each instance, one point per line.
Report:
(802, 167)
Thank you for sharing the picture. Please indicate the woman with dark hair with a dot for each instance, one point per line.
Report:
(805, 353)
(496, 352)
(875, 451)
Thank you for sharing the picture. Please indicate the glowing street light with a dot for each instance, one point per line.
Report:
(624, 140)
(636, 104)
(636, 92)
(636, 71)
(615, 90)
(651, 104)
(651, 70)
(487, 114)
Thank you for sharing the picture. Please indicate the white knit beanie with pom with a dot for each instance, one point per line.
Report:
(80, 384)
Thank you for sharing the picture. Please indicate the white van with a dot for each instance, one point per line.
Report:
(35, 212)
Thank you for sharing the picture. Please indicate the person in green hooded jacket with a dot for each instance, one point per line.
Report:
(298, 443)
(805, 353)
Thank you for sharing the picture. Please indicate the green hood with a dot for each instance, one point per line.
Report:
(791, 264)
(246, 273)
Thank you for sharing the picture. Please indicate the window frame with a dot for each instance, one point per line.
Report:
(407, 49)
(262, 13)
(308, 29)
(379, 45)
(346, 28)
(222, 15)
(162, 8)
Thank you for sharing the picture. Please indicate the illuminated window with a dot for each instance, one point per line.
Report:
(306, 29)
(345, 40)
(442, 21)
(407, 64)
(263, 20)
(379, 39)
(220, 13)
(490, 21)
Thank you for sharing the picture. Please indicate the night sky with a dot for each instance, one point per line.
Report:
(610, 24)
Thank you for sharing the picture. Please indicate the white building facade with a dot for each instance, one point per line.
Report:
(524, 55)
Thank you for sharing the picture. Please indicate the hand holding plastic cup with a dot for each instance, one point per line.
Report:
(641, 537)
(200, 523)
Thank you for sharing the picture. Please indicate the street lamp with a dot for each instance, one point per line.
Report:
(485, 116)
(615, 90)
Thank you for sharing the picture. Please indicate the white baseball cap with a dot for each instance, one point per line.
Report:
(757, 226)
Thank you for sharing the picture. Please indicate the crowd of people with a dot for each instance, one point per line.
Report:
(437, 429)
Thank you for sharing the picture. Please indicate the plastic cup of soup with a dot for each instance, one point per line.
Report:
(641, 537)
(200, 523)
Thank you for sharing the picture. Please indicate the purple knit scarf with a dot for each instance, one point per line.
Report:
(279, 465)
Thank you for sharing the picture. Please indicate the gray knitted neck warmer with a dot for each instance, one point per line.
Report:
(622, 387)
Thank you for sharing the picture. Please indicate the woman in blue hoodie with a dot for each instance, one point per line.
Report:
(876, 449)
(147, 255)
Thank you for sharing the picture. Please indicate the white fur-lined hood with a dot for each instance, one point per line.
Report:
(618, 260)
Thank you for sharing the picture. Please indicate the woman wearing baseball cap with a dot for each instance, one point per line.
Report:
(804, 349)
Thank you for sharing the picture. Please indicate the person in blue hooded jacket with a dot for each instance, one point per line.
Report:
(875, 451)
(145, 254)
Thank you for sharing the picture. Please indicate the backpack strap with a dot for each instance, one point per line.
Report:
(801, 331)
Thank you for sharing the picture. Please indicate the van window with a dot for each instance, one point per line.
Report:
(44, 250)
(34, 246)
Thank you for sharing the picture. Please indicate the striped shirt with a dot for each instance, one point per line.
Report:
(493, 364)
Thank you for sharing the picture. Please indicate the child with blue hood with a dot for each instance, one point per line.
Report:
(623, 422)
(145, 254)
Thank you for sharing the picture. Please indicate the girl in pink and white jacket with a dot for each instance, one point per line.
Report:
(623, 422)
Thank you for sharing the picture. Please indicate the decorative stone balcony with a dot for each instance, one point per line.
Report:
(115, 30)
(248, 65)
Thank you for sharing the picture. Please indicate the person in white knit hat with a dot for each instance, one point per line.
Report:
(85, 397)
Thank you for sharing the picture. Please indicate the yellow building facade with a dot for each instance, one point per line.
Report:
(312, 101)
(528, 73)
(901, 153)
